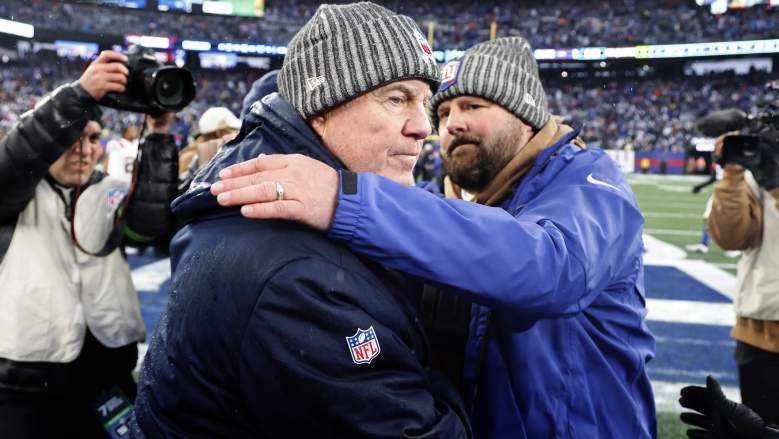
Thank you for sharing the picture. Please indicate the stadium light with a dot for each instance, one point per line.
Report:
(17, 28)
(200, 46)
(148, 41)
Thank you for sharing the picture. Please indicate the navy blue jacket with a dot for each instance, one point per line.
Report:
(264, 335)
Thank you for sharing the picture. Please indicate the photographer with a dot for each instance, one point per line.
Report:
(745, 216)
(69, 314)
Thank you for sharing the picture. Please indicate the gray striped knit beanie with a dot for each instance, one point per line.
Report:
(503, 71)
(346, 50)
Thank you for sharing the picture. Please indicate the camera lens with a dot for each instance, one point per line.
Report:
(169, 89)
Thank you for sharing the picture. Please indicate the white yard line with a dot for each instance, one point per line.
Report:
(650, 214)
(690, 311)
(672, 232)
(149, 277)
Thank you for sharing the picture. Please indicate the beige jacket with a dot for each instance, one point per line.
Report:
(746, 217)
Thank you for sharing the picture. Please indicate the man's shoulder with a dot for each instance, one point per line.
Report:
(244, 246)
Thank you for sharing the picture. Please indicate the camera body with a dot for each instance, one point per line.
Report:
(152, 88)
(758, 150)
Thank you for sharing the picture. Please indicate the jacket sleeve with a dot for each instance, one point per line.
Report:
(36, 141)
(551, 259)
(148, 213)
(296, 344)
(736, 218)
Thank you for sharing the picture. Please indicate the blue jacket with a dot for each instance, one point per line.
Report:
(273, 330)
(558, 343)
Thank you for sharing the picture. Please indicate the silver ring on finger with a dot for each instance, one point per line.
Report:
(279, 191)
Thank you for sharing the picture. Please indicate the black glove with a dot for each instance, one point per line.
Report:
(720, 417)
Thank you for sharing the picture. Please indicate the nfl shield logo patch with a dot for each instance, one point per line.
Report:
(363, 345)
(115, 196)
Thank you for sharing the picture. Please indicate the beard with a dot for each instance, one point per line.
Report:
(474, 172)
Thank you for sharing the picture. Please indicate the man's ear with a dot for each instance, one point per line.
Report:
(319, 125)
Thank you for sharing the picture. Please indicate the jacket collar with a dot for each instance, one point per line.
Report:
(272, 126)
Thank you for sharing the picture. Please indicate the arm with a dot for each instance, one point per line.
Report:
(42, 135)
(736, 218)
(35, 142)
(148, 213)
(296, 344)
(550, 259)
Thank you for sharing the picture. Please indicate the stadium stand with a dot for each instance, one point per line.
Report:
(567, 23)
(638, 114)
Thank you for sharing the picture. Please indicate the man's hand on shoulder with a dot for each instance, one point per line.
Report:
(291, 187)
(105, 74)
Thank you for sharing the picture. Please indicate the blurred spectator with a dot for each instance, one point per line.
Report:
(217, 125)
(120, 154)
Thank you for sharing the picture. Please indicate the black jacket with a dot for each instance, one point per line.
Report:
(42, 135)
(256, 338)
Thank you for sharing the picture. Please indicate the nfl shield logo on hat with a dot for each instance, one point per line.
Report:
(363, 345)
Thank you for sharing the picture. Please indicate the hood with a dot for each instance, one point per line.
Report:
(272, 126)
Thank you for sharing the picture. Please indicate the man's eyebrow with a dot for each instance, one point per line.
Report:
(406, 90)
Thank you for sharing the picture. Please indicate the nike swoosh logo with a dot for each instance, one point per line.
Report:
(592, 180)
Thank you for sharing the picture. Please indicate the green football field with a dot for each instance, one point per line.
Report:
(675, 215)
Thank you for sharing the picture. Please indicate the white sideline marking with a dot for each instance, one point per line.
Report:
(673, 232)
(657, 250)
(142, 348)
(648, 214)
(151, 276)
(667, 188)
(688, 311)
(667, 393)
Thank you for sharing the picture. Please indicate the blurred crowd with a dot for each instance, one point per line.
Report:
(637, 114)
(24, 85)
(566, 23)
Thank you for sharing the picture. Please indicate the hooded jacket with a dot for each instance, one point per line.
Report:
(272, 330)
(557, 344)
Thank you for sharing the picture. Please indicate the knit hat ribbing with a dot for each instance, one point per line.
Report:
(503, 71)
(346, 50)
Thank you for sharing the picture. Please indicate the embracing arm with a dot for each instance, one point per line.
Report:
(550, 259)
(295, 347)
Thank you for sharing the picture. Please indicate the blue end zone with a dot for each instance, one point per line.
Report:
(670, 283)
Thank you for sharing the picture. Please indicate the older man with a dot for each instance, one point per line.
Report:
(273, 330)
(542, 233)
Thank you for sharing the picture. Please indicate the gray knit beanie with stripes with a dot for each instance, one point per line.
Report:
(346, 50)
(503, 71)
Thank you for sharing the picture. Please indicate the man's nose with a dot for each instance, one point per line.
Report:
(418, 125)
(455, 123)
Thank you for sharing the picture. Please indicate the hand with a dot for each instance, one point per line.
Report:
(720, 417)
(310, 189)
(159, 124)
(105, 74)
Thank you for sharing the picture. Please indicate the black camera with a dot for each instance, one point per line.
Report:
(758, 149)
(152, 88)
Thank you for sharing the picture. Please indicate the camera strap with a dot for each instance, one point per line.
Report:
(118, 229)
